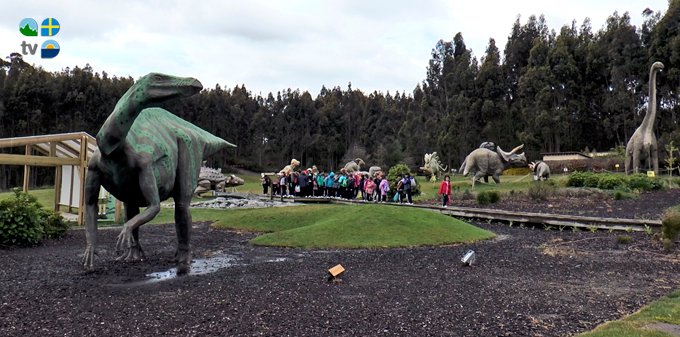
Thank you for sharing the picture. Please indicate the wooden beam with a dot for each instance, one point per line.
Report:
(82, 171)
(18, 159)
(57, 177)
(118, 215)
(21, 141)
(27, 169)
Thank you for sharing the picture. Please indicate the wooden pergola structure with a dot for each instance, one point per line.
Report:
(59, 151)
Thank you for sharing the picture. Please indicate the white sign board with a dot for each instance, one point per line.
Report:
(69, 174)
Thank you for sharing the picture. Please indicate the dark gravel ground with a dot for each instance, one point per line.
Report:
(525, 283)
(647, 205)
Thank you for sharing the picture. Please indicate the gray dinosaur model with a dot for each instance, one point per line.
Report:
(354, 165)
(540, 169)
(146, 155)
(485, 145)
(642, 150)
(484, 162)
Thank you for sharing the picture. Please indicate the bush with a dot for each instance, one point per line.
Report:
(55, 225)
(621, 195)
(670, 222)
(642, 182)
(611, 182)
(23, 221)
(483, 198)
(624, 239)
(393, 178)
(488, 197)
(541, 191)
(591, 180)
(20, 221)
(577, 179)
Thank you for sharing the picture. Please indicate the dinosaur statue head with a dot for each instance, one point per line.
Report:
(155, 87)
(513, 158)
(359, 162)
(657, 66)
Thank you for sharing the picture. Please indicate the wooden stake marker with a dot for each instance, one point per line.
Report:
(334, 273)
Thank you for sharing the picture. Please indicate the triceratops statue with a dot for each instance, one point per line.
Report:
(540, 169)
(484, 162)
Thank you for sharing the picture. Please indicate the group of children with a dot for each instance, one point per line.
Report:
(347, 185)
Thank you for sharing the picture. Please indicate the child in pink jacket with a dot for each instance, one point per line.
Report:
(384, 188)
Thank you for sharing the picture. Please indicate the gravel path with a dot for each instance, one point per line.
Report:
(525, 283)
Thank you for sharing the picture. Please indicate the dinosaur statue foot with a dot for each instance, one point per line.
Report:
(183, 259)
(132, 254)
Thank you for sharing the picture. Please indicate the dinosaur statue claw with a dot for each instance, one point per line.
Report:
(88, 257)
(130, 248)
(183, 259)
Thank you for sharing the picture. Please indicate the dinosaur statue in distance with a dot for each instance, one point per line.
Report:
(432, 166)
(145, 155)
(642, 151)
(484, 162)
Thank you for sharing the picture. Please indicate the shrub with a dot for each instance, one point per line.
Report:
(55, 225)
(488, 197)
(670, 222)
(541, 191)
(577, 179)
(642, 182)
(608, 181)
(483, 198)
(494, 196)
(624, 194)
(611, 182)
(624, 239)
(20, 221)
(591, 180)
(23, 222)
(393, 178)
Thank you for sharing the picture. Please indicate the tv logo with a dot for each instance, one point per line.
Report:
(49, 27)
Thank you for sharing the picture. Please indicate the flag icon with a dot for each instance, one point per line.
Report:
(28, 27)
(49, 27)
(49, 49)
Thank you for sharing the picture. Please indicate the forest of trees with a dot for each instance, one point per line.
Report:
(553, 91)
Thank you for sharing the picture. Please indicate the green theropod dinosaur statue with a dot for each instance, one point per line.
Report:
(146, 155)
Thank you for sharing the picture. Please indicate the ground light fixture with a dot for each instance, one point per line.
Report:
(469, 258)
(334, 273)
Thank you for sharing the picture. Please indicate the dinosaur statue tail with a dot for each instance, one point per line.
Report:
(214, 144)
(463, 167)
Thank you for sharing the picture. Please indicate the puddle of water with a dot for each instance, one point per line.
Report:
(198, 267)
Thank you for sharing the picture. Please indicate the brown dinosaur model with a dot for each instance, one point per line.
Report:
(642, 151)
(146, 155)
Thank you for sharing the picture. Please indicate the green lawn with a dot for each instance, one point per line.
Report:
(351, 226)
(666, 310)
(460, 184)
(45, 196)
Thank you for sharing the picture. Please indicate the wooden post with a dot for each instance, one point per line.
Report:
(82, 171)
(27, 170)
(57, 177)
(70, 193)
(118, 215)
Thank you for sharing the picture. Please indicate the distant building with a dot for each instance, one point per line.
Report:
(561, 156)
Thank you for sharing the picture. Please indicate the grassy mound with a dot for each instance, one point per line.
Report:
(665, 310)
(351, 226)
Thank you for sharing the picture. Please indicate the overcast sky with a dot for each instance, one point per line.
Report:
(274, 45)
